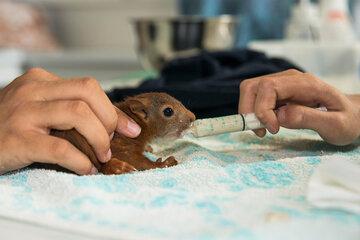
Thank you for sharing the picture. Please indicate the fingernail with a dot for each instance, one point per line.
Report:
(111, 136)
(260, 132)
(108, 155)
(133, 128)
(270, 128)
(93, 171)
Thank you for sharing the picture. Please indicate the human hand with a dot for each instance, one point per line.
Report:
(295, 95)
(39, 101)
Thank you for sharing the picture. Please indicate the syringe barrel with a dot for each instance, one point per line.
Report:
(232, 123)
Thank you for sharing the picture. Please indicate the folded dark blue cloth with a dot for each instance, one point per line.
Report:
(208, 83)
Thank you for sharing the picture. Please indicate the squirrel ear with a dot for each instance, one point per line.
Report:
(139, 108)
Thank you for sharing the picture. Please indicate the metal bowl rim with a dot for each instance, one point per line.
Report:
(187, 19)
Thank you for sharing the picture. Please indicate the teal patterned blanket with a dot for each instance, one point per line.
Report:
(232, 186)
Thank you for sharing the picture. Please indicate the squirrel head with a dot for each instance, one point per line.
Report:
(159, 114)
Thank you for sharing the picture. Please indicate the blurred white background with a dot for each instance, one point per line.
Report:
(101, 24)
(94, 37)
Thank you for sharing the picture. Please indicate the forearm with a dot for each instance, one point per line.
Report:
(355, 99)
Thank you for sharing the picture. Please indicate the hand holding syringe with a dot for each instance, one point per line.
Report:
(232, 123)
(300, 91)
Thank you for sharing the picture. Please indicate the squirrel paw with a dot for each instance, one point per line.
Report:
(116, 166)
(169, 162)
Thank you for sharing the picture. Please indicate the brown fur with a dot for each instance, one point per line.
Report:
(127, 153)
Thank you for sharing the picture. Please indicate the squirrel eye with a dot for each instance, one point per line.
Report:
(168, 112)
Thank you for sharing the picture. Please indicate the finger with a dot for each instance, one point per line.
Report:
(65, 115)
(265, 104)
(260, 132)
(125, 125)
(26, 87)
(39, 74)
(302, 88)
(48, 149)
(295, 116)
(248, 91)
(289, 72)
(247, 99)
(329, 125)
(249, 88)
(84, 89)
(308, 90)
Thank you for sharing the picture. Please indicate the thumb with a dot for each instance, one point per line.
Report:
(295, 116)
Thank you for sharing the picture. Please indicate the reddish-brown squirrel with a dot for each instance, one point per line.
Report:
(158, 114)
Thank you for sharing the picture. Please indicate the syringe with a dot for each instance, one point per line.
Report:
(232, 123)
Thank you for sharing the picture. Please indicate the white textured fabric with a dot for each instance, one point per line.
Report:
(249, 188)
(336, 184)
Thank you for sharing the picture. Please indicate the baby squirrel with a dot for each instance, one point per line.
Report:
(159, 115)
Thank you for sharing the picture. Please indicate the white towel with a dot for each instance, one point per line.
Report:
(336, 184)
(255, 190)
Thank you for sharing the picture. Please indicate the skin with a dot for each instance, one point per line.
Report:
(39, 101)
(294, 95)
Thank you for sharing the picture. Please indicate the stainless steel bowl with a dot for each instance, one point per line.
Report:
(162, 39)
